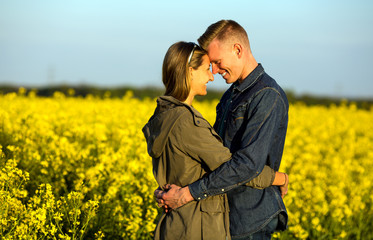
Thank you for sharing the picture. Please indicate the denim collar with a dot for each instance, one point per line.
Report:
(249, 80)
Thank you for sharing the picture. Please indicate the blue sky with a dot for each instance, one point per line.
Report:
(316, 47)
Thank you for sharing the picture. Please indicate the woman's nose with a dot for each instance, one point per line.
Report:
(211, 77)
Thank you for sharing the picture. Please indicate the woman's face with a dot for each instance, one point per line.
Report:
(200, 77)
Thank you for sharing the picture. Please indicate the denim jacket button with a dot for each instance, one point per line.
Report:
(222, 190)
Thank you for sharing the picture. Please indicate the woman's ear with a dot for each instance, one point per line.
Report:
(191, 70)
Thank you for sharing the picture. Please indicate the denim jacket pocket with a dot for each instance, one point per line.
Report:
(235, 122)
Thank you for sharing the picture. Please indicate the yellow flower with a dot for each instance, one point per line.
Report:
(54, 145)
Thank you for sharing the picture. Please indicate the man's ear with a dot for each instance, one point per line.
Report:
(237, 48)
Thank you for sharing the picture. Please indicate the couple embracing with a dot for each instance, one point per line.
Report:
(219, 182)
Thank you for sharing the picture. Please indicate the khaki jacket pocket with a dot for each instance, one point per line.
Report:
(214, 212)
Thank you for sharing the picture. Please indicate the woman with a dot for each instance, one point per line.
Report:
(184, 147)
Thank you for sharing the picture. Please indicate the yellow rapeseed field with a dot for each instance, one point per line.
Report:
(77, 168)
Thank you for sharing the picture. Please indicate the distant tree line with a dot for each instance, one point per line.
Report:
(152, 92)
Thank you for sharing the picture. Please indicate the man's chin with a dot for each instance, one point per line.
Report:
(227, 78)
(228, 81)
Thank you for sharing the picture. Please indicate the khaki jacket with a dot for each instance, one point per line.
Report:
(184, 147)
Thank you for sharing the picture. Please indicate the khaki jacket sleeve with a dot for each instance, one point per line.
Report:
(264, 179)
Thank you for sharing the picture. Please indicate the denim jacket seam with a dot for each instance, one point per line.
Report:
(278, 198)
(219, 190)
(279, 94)
(261, 226)
(245, 103)
(261, 124)
(275, 90)
(252, 83)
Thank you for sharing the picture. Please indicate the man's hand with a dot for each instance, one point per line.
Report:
(173, 196)
(284, 187)
(158, 193)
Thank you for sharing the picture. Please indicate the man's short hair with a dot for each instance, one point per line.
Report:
(224, 30)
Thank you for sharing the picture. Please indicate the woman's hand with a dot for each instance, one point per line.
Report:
(284, 187)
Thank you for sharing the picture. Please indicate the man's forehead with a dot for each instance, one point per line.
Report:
(214, 44)
(213, 50)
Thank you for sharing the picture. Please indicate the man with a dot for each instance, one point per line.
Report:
(252, 119)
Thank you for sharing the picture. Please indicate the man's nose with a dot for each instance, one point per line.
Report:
(215, 68)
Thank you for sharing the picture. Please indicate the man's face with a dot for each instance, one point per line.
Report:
(224, 60)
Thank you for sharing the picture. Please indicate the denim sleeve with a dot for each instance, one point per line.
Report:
(265, 113)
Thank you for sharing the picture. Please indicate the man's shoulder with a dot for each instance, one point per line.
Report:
(266, 81)
(267, 85)
(264, 91)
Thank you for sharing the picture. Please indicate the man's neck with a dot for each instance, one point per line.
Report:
(252, 64)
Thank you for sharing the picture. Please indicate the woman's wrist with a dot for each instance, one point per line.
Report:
(286, 177)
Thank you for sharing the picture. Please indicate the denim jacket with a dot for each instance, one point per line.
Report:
(252, 119)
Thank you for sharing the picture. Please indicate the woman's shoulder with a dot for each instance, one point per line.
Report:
(190, 122)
